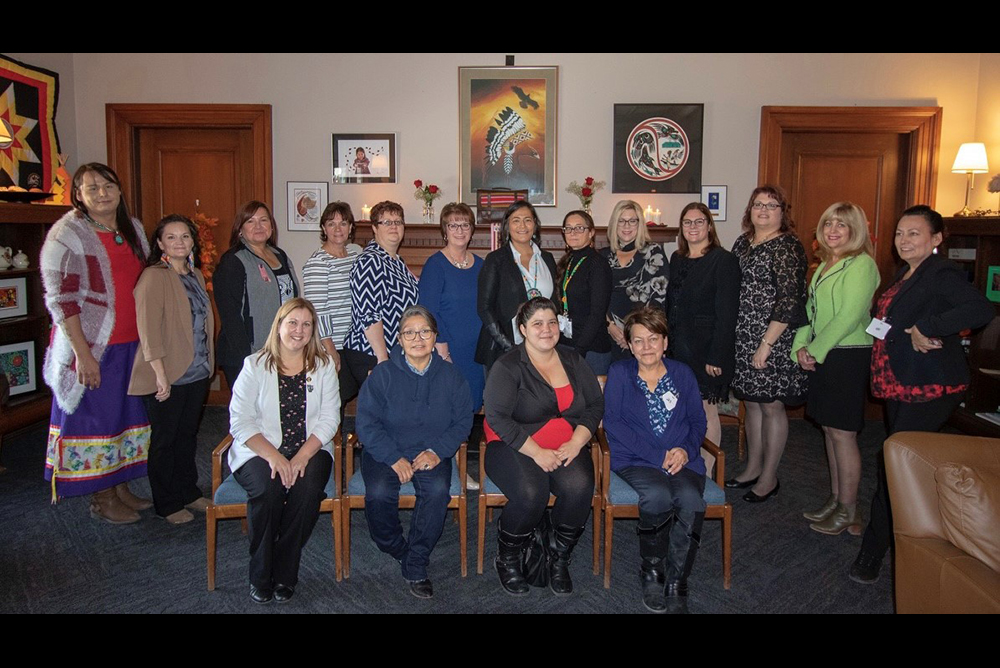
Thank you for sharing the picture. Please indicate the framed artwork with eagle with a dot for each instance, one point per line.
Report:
(507, 131)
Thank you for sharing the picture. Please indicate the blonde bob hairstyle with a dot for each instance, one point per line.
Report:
(314, 352)
(854, 217)
(641, 234)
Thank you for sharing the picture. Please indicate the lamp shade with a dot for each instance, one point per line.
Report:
(971, 159)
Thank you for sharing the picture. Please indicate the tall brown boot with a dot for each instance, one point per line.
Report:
(105, 505)
(134, 502)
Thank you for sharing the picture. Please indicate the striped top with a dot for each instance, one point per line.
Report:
(381, 288)
(326, 283)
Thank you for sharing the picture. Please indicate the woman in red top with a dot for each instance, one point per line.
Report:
(543, 404)
(918, 366)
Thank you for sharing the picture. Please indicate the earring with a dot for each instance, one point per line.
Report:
(165, 260)
(191, 261)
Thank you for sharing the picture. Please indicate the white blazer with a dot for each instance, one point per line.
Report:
(254, 408)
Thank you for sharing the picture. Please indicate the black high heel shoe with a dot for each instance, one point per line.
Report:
(751, 497)
(733, 483)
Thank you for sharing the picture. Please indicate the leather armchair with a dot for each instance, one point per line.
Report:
(927, 485)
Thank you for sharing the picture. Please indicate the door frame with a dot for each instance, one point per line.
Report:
(125, 120)
(922, 124)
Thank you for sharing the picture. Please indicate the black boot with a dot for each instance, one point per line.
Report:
(508, 562)
(685, 537)
(562, 540)
(653, 544)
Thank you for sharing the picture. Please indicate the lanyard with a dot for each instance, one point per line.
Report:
(531, 288)
(565, 284)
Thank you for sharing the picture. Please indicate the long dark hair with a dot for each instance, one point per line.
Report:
(156, 255)
(713, 237)
(505, 225)
(122, 219)
(564, 260)
(245, 214)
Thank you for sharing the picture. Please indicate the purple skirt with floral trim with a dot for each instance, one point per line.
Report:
(106, 440)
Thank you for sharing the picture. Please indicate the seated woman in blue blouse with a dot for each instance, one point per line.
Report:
(655, 424)
(414, 411)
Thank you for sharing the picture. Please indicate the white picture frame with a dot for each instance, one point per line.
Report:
(13, 297)
(306, 201)
(714, 197)
(17, 360)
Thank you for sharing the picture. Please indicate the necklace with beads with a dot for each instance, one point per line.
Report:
(462, 264)
(118, 235)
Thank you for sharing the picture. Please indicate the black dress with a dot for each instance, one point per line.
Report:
(772, 288)
(584, 293)
(703, 298)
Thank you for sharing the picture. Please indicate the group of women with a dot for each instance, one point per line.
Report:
(134, 351)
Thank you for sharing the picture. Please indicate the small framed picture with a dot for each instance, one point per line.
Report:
(306, 201)
(993, 284)
(17, 362)
(364, 158)
(13, 297)
(714, 197)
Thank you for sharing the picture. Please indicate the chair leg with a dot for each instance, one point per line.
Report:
(609, 526)
(489, 512)
(345, 545)
(480, 533)
(463, 532)
(244, 526)
(596, 512)
(337, 531)
(727, 546)
(210, 544)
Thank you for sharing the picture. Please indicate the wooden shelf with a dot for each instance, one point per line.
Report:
(4, 273)
(31, 214)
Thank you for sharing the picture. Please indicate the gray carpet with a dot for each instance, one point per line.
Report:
(58, 559)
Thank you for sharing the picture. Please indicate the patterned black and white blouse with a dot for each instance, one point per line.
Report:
(292, 400)
(381, 288)
(642, 282)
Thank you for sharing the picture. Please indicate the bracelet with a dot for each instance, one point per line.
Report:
(767, 343)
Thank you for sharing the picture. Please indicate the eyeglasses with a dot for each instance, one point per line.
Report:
(770, 206)
(455, 227)
(108, 188)
(391, 223)
(411, 334)
(628, 222)
(576, 229)
(697, 222)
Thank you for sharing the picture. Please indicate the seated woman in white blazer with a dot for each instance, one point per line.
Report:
(283, 416)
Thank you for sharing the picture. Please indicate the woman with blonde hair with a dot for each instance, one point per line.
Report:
(283, 416)
(835, 348)
(639, 270)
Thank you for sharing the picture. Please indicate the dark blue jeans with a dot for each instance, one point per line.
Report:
(661, 493)
(382, 511)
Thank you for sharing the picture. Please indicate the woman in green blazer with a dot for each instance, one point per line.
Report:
(836, 349)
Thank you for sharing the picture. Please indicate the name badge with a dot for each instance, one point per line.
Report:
(879, 328)
(566, 326)
(670, 400)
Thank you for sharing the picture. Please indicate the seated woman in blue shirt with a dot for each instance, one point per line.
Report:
(655, 425)
(414, 412)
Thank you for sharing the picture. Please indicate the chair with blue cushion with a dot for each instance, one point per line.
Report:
(354, 498)
(621, 501)
(229, 501)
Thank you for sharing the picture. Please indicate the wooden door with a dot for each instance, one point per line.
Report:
(191, 170)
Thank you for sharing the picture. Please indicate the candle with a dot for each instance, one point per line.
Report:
(337, 171)
(649, 214)
(656, 216)
(366, 212)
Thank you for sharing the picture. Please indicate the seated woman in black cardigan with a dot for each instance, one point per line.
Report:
(655, 424)
(543, 404)
(584, 289)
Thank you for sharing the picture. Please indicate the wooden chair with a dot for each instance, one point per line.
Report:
(621, 501)
(229, 501)
(491, 497)
(354, 498)
(740, 420)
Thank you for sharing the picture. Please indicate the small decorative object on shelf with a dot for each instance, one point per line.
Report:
(20, 260)
(994, 187)
(585, 191)
(428, 194)
(5, 257)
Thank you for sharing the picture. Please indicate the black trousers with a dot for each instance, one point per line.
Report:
(527, 488)
(354, 369)
(900, 416)
(231, 372)
(173, 476)
(281, 520)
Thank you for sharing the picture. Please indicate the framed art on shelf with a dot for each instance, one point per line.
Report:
(13, 297)
(507, 131)
(306, 201)
(993, 284)
(17, 362)
(714, 197)
(657, 148)
(364, 158)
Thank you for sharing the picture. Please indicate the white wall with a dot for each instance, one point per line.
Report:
(417, 97)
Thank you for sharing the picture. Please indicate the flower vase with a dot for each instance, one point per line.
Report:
(429, 213)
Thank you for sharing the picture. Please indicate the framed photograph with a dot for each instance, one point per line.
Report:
(714, 197)
(993, 284)
(507, 131)
(364, 158)
(657, 148)
(306, 201)
(17, 362)
(13, 297)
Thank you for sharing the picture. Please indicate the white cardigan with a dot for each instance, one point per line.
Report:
(254, 408)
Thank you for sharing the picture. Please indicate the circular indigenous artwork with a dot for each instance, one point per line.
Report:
(657, 149)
